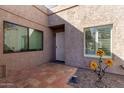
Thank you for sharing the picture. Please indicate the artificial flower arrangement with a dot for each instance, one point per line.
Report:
(99, 68)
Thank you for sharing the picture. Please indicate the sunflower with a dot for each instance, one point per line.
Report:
(108, 62)
(93, 65)
(100, 52)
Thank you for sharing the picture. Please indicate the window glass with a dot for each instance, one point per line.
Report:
(15, 38)
(104, 37)
(35, 39)
(90, 41)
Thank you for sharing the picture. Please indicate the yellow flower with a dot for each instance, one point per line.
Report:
(100, 52)
(93, 65)
(108, 62)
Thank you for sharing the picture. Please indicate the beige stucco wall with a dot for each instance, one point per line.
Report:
(79, 17)
(31, 17)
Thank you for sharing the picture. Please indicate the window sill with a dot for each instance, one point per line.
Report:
(23, 51)
(94, 56)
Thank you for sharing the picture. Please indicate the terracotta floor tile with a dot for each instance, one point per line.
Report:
(46, 75)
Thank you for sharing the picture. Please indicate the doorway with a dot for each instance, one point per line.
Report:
(59, 43)
(60, 46)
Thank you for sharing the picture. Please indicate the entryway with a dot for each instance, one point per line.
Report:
(59, 43)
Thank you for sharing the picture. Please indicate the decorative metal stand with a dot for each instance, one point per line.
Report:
(99, 69)
(100, 73)
(100, 84)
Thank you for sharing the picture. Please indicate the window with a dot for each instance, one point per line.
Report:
(19, 38)
(97, 38)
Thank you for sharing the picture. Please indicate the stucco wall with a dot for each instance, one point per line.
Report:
(29, 12)
(30, 17)
(79, 17)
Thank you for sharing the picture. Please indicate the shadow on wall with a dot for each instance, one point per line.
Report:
(74, 41)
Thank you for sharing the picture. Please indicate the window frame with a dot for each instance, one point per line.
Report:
(28, 50)
(95, 56)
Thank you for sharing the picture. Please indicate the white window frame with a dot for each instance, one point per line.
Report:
(96, 40)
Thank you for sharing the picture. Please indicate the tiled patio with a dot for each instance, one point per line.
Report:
(49, 75)
(53, 75)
